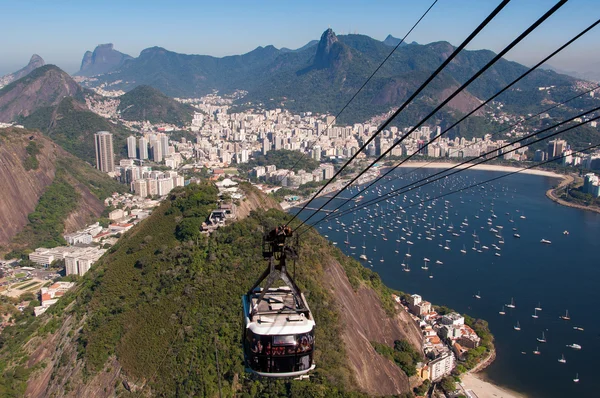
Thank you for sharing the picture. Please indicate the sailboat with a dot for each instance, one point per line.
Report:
(537, 351)
(381, 259)
(478, 295)
(562, 359)
(502, 312)
(566, 316)
(512, 303)
(539, 307)
(408, 254)
(534, 315)
(463, 250)
(576, 379)
(517, 326)
(363, 256)
(347, 241)
(542, 339)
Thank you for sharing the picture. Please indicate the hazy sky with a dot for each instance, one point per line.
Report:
(61, 31)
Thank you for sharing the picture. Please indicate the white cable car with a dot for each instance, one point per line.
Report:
(278, 325)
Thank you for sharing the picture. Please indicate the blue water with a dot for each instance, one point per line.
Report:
(560, 276)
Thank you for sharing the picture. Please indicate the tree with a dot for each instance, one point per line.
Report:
(448, 384)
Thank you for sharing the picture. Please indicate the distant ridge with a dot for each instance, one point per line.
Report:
(35, 62)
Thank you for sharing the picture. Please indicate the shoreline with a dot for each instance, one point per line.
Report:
(484, 167)
(473, 381)
(551, 194)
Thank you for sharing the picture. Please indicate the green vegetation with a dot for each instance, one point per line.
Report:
(282, 159)
(303, 190)
(72, 126)
(403, 354)
(147, 103)
(46, 222)
(448, 384)
(164, 291)
(31, 161)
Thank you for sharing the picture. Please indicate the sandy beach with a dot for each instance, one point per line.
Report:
(477, 387)
(484, 167)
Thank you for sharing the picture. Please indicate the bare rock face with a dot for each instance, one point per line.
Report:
(35, 62)
(23, 186)
(330, 52)
(102, 60)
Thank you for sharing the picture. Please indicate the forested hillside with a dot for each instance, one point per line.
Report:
(163, 306)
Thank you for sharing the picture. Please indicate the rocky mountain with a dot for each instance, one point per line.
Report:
(393, 41)
(48, 99)
(102, 60)
(147, 103)
(159, 315)
(323, 77)
(45, 86)
(45, 191)
(35, 62)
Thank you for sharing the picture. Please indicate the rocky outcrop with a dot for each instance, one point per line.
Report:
(364, 320)
(103, 60)
(35, 62)
(330, 52)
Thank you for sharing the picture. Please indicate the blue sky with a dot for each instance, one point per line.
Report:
(61, 31)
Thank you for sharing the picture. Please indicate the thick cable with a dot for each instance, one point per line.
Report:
(487, 20)
(449, 98)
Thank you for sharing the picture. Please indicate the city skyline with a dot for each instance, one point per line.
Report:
(216, 30)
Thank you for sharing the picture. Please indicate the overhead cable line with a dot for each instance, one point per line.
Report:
(479, 28)
(363, 86)
(427, 180)
(449, 98)
(472, 112)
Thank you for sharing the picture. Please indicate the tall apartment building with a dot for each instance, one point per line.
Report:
(143, 148)
(105, 155)
(131, 147)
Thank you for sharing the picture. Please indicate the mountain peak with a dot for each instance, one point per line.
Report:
(34, 62)
(329, 51)
(103, 59)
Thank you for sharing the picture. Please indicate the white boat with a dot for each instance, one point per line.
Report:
(535, 315)
(546, 241)
(512, 303)
(363, 257)
(542, 339)
(566, 316)
(502, 312)
(565, 232)
(576, 379)
(478, 295)
(574, 346)
(539, 307)
(516, 235)
(438, 262)
(578, 328)
(463, 250)
(537, 351)
(517, 326)
(497, 254)
(562, 359)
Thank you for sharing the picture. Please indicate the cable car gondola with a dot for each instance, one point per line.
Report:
(278, 325)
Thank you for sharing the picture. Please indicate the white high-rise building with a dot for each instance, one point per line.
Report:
(157, 154)
(105, 155)
(164, 144)
(131, 147)
(143, 148)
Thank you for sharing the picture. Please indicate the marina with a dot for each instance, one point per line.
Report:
(511, 277)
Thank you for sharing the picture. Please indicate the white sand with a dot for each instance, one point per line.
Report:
(484, 389)
(484, 167)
